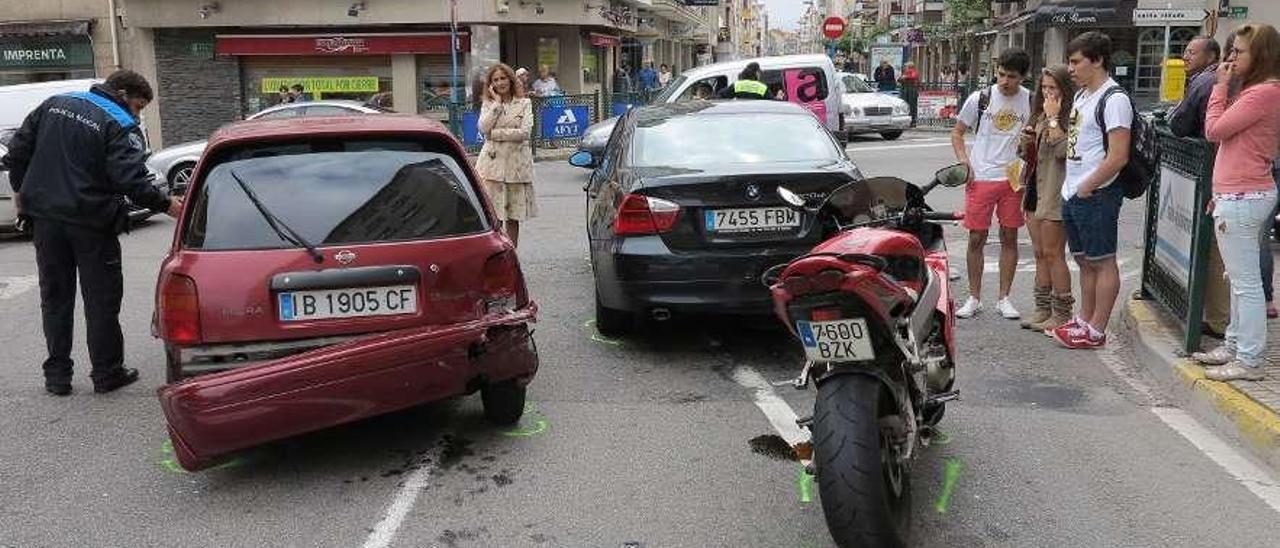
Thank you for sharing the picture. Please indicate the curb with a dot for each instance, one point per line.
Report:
(1224, 406)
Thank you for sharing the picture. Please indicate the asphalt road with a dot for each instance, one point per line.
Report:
(634, 442)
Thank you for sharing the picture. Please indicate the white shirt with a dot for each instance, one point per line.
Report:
(996, 145)
(543, 88)
(1085, 152)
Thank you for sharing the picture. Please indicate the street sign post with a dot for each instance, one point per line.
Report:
(833, 27)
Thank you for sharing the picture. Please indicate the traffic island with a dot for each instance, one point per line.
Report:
(1243, 410)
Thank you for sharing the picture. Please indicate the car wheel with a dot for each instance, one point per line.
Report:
(891, 135)
(180, 177)
(503, 402)
(610, 322)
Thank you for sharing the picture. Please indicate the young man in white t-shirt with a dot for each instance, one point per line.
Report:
(1092, 200)
(998, 114)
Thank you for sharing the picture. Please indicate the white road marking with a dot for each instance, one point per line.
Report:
(385, 531)
(896, 147)
(12, 286)
(1248, 474)
(774, 408)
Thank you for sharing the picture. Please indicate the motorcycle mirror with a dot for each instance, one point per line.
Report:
(953, 175)
(791, 198)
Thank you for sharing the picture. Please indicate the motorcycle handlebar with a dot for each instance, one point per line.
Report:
(943, 215)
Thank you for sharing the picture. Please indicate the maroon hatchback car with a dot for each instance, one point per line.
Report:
(331, 269)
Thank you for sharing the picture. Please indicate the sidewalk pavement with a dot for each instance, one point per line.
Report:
(1244, 410)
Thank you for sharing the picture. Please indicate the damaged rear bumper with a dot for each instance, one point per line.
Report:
(211, 416)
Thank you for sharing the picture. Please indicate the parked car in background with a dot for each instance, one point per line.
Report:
(8, 209)
(18, 100)
(176, 162)
(812, 77)
(329, 270)
(680, 222)
(871, 111)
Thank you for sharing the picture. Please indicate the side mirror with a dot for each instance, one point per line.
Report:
(583, 159)
(953, 175)
(791, 198)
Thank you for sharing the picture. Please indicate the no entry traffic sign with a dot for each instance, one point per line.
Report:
(833, 27)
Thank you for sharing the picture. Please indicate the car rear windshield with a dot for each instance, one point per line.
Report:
(696, 141)
(333, 193)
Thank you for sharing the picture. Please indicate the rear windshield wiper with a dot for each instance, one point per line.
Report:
(278, 225)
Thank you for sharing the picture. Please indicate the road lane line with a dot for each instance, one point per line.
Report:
(774, 408)
(385, 531)
(1248, 474)
(898, 147)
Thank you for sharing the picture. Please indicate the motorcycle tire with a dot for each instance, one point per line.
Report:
(865, 492)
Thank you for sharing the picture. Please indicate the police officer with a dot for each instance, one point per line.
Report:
(748, 85)
(72, 163)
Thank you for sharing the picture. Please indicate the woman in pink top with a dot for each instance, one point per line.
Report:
(1247, 130)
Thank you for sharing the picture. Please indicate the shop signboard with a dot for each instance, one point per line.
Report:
(471, 136)
(939, 105)
(1239, 12)
(324, 84)
(338, 45)
(1176, 224)
(1159, 17)
(564, 121)
(25, 52)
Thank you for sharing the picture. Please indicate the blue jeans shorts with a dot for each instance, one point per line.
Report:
(1093, 223)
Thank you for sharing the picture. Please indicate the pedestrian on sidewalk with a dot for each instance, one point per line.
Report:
(664, 76)
(1201, 56)
(1247, 132)
(884, 77)
(1091, 211)
(1044, 150)
(546, 84)
(73, 161)
(1267, 254)
(998, 115)
(506, 159)
(910, 82)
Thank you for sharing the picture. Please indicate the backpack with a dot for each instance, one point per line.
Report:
(1144, 148)
(984, 101)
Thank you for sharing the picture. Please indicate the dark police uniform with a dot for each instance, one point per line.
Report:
(74, 160)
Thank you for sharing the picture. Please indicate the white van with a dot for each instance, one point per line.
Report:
(810, 81)
(18, 100)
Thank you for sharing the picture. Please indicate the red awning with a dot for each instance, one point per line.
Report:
(338, 44)
(604, 40)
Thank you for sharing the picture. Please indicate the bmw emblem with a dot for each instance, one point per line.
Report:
(753, 192)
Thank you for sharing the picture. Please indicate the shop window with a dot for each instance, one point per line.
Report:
(436, 75)
(355, 79)
(1151, 54)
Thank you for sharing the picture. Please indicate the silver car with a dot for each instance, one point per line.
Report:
(870, 111)
(175, 163)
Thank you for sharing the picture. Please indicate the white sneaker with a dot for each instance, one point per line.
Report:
(969, 309)
(1221, 355)
(1005, 306)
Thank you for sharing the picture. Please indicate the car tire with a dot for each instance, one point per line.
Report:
(611, 322)
(180, 177)
(503, 402)
(891, 135)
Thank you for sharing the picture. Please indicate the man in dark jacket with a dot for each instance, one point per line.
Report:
(72, 163)
(1201, 56)
(885, 78)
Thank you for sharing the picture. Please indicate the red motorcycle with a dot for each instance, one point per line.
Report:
(872, 307)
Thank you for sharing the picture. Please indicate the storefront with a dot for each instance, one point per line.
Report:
(45, 50)
(1060, 21)
(342, 66)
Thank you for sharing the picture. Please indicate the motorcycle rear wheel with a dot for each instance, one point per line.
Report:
(865, 491)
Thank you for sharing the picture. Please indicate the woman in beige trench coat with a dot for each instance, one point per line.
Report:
(506, 161)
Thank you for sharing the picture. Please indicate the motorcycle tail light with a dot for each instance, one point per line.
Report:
(825, 314)
(822, 282)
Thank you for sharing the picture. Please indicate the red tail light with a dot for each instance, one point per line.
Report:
(825, 314)
(179, 309)
(503, 283)
(822, 282)
(645, 215)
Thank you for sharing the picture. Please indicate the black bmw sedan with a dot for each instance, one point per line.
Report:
(682, 212)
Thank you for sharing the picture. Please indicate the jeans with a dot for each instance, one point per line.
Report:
(1238, 225)
(1268, 259)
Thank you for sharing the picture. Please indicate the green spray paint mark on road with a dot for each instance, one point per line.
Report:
(804, 482)
(950, 476)
(540, 424)
(170, 462)
(597, 337)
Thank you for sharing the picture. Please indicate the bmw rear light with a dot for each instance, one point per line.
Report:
(179, 309)
(641, 215)
(503, 285)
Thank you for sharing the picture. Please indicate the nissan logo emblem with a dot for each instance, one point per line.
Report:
(345, 256)
(753, 192)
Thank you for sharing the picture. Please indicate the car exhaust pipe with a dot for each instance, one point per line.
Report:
(660, 314)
